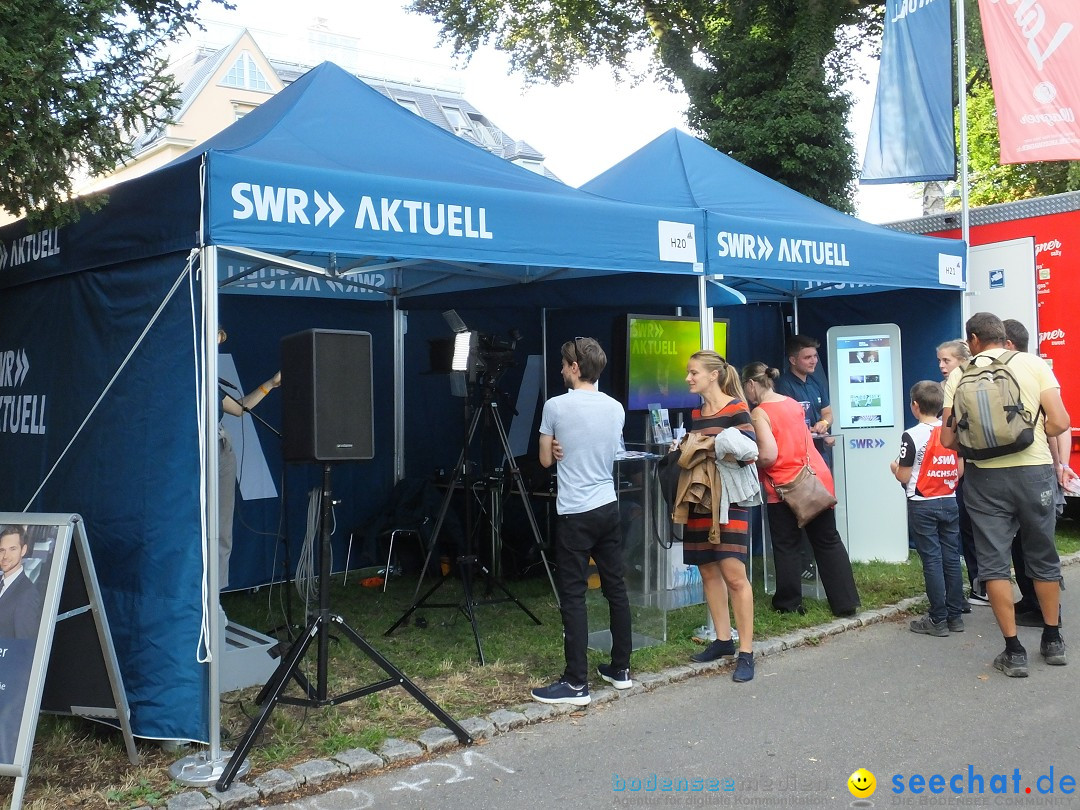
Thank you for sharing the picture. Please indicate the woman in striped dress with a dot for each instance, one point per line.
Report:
(722, 565)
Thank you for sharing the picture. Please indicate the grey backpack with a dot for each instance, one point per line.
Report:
(989, 417)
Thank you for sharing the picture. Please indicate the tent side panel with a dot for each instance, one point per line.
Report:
(927, 318)
(147, 216)
(256, 325)
(131, 471)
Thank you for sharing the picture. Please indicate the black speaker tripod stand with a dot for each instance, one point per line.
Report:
(315, 695)
(469, 562)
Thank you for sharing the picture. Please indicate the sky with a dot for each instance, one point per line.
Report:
(582, 128)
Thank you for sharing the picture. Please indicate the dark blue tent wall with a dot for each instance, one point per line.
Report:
(927, 318)
(255, 327)
(756, 332)
(132, 473)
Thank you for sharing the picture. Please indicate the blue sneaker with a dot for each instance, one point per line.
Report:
(744, 668)
(562, 692)
(619, 678)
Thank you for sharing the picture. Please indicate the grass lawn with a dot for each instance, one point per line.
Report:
(80, 764)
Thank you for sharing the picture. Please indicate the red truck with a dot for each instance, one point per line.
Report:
(1054, 222)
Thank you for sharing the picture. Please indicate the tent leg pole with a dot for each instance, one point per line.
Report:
(704, 314)
(205, 768)
(399, 392)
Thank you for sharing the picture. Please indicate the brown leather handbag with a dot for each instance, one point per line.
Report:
(805, 495)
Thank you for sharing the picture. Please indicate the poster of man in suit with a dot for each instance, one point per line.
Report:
(20, 600)
(20, 618)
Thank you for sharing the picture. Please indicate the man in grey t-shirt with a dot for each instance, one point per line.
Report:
(582, 431)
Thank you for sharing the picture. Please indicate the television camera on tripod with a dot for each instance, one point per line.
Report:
(476, 365)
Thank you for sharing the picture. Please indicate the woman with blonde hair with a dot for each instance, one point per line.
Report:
(950, 354)
(721, 559)
(784, 445)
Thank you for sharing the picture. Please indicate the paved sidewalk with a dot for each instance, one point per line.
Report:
(872, 695)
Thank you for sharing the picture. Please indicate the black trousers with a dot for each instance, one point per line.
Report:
(595, 534)
(1029, 600)
(833, 565)
(967, 538)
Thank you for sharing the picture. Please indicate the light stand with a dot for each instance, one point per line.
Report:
(315, 695)
(469, 561)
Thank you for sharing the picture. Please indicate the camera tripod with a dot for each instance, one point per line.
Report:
(315, 694)
(468, 562)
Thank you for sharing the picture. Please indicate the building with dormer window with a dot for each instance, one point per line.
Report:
(221, 85)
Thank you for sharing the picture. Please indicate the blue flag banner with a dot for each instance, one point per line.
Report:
(912, 136)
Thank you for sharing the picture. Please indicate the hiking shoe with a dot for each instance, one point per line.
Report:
(562, 692)
(1053, 651)
(715, 651)
(619, 678)
(1012, 664)
(956, 625)
(744, 668)
(929, 627)
(976, 598)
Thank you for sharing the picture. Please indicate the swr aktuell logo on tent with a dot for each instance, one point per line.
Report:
(278, 204)
(796, 251)
(283, 204)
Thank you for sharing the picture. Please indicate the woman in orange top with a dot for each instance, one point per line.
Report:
(783, 445)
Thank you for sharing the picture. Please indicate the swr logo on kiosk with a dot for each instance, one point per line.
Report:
(975, 782)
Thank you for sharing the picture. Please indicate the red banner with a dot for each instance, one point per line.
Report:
(1034, 51)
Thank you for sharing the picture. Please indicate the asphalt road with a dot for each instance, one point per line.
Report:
(900, 705)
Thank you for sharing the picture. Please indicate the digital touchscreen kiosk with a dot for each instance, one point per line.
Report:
(864, 369)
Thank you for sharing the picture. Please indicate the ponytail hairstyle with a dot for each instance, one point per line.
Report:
(761, 374)
(728, 377)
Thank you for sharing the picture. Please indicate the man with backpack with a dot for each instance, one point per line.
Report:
(998, 414)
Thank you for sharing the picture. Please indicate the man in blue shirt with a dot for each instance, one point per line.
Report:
(799, 383)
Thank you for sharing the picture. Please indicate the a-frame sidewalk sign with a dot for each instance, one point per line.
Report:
(68, 666)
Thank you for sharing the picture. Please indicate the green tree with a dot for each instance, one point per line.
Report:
(764, 78)
(76, 79)
(989, 180)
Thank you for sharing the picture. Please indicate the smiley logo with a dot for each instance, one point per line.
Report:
(862, 784)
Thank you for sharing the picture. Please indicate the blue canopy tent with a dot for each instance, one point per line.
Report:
(760, 231)
(328, 191)
(774, 244)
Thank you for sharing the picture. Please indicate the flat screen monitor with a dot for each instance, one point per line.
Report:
(657, 348)
(864, 365)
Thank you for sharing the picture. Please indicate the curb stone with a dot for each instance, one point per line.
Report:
(437, 738)
(480, 728)
(504, 719)
(192, 800)
(276, 780)
(395, 750)
(239, 794)
(359, 760)
(316, 771)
